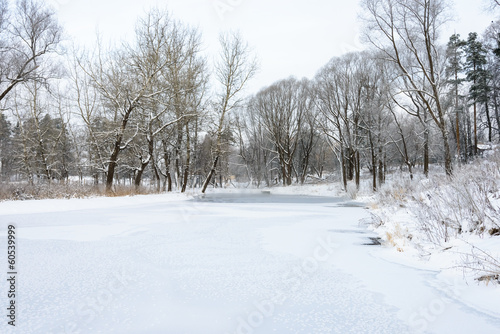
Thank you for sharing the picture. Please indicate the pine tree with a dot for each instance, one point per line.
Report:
(478, 77)
(495, 74)
(5, 140)
(455, 66)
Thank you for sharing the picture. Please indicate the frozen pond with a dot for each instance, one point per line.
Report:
(222, 263)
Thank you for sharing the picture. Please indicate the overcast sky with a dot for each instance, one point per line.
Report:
(289, 37)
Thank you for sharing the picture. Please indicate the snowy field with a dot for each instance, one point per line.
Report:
(225, 263)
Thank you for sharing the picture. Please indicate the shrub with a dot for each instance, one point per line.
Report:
(24, 191)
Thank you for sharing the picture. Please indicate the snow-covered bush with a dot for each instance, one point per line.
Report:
(468, 202)
(431, 214)
(398, 190)
(352, 190)
(483, 264)
(445, 207)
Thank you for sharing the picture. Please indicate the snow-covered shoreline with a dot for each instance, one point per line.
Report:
(60, 205)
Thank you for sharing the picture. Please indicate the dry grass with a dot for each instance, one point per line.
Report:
(390, 239)
(396, 237)
(24, 191)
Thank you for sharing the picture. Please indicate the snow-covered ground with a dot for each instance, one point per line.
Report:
(225, 263)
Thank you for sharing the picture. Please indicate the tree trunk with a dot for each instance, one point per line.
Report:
(343, 167)
(210, 175)
(374, 162)
(426, 146)
(358, 169)
(497, 113)
(374, 172)
(488, 121)
(188, 158)
(289, 173)
(469, 150)
(381, 175)
(447, 152)
(138, 177)
(178, 146)
(305, 163)
(475, 129)
(169, 181)
(157, 177)
(185, 178)
(457, 115)
(117, 148)
(110, 174)
(145, 163)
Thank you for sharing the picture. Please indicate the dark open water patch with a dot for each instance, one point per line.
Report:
(374, 241)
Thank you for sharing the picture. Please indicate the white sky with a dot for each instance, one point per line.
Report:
(289, 37)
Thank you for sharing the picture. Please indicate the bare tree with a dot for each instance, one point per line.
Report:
(375, 115)
(492, 4)
(127, 77)
(407, 33)
(282, 108)
(187, 80)
(341, 95)
(86, 104)
(309, 135)
(27, 39)
(407, 101)
(255, 148)
(233, 70)
(331, 102)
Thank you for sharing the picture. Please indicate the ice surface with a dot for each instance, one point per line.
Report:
(239, 263)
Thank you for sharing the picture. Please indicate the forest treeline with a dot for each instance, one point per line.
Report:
(152, 112)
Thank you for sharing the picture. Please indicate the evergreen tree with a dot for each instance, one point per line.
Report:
(478, 76)
(494, 70)
(5, 142)
(455, 67)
